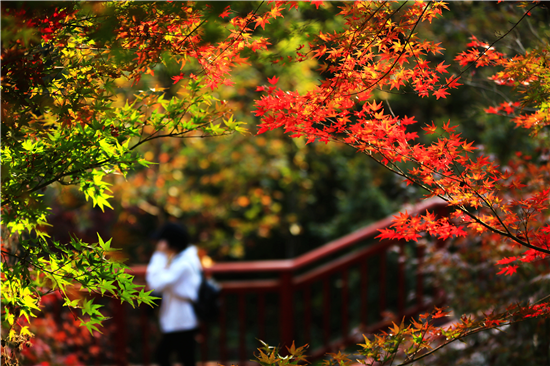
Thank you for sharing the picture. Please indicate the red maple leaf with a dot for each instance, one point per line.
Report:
(508, 270)
(491, 110)
(508, 107)
(430, 129)
(275, 12)
(441, 93)
(178, 77)
(440, 313)
(273, 80)
(447, 127)
(226, 12)
(468, 147)
(452, 82)
(507, 260)
(374, 107)
(261, 21)
(441, 68)
(407, 120)
(293, 4)
(317, 3)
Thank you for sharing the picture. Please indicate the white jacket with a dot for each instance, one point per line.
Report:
(180, 279)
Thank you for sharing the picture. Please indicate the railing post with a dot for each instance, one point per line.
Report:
(261, 315)
(223, 331)
(382, 284)
(120, 319)
(242, 328)
(345, 305)
(146, 334)
(401, 296)
(204, 343)
(286, 314)
(364, 315)
(307, 313)
(326, 313)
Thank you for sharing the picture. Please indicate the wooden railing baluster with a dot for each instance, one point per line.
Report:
(144, 322)
(382, 283)
(307, 314)
(223, 330)
(242, 327)
(345, 304)
(364, 294)
(326, 312)
(286, 312)
(401, 290)
(261, 315)
(121, 340)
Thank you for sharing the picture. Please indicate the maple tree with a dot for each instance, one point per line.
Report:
(380, 51)
(78, 106)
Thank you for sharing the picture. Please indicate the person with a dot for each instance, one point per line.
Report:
(175, 272)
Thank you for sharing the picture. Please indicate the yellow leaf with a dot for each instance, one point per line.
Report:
(25, 331)
(10, 318)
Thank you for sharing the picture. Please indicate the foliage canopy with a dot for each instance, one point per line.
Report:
(75, 111)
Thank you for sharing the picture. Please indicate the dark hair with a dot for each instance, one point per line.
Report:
(176, 236)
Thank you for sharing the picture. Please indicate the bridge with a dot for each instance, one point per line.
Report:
(326, 298)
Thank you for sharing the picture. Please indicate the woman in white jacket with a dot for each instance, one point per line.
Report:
(175, 272)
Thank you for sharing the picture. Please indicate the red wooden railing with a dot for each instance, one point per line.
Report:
(325, 298)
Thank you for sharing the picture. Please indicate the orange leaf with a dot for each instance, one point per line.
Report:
(430, 129)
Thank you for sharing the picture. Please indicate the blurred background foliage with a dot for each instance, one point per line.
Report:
(249, 196)
(270, 196)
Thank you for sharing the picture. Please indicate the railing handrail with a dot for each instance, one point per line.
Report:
(282, 265)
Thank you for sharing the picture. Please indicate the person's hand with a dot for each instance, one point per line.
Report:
(162, 246)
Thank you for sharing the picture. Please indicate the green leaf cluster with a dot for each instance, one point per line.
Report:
(74, 112)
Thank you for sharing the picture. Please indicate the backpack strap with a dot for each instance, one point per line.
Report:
(183, 298)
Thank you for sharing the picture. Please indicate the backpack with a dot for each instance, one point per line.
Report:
(207, 306)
